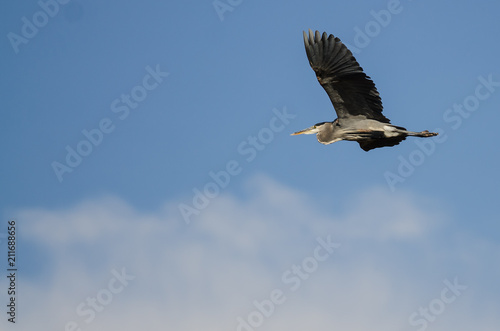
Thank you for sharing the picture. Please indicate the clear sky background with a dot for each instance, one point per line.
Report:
(149, 167)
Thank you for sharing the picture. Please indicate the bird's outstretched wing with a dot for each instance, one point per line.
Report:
(351, 91)
(366, 145)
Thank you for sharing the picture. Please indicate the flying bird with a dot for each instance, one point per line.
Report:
(353, 95)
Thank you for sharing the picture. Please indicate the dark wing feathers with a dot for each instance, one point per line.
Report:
(351, 91)
(366, 145)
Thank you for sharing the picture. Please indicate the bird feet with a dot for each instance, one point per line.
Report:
(426, 133)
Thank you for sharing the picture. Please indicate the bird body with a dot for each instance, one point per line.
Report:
(353, 95)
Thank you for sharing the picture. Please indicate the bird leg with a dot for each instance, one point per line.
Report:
(424, 133)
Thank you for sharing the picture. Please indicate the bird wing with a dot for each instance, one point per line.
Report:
(351, 91)
(366, 145)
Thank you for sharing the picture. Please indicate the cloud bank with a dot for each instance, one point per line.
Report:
(272, 258)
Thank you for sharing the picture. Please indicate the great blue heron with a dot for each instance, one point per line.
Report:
(353, 95)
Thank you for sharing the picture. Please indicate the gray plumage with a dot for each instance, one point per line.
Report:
(353, 95)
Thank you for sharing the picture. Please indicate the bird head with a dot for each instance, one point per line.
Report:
(326, 132)
(311, 130)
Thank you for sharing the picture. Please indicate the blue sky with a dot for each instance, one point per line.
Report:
(151, 139)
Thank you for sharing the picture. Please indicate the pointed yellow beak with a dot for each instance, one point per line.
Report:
(310, 130)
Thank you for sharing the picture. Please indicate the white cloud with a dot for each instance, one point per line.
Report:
(393, 257)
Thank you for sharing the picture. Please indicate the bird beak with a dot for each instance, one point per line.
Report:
(310, 130)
